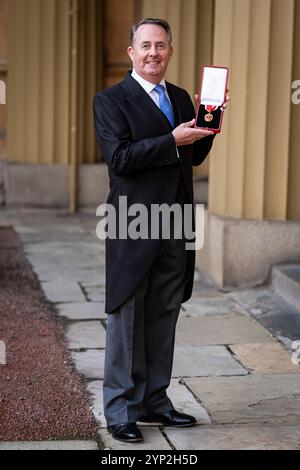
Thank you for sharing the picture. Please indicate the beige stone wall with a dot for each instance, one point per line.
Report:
(38, 88)
(254, 167)
(293, 208)
(40, 80)
(118, 17)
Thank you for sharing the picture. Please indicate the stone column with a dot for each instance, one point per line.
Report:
(38, 82)
(253, 167)
(39, 79)
(38, 102)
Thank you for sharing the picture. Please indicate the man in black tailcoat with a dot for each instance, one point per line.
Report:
(144, 126)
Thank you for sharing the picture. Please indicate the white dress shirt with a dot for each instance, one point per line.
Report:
(149, 87)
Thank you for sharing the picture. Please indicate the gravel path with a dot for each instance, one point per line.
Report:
(41, 395)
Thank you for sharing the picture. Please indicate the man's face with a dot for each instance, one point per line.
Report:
(151, 52)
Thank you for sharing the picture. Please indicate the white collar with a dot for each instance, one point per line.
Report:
(148, 86)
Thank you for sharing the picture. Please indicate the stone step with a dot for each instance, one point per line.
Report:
(286, 282)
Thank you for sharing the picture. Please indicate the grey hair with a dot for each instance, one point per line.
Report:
(156, 21)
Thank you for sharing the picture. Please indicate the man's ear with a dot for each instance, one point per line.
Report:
(130, 52)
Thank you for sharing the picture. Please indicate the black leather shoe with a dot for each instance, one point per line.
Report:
(172, 418)
(125, 432)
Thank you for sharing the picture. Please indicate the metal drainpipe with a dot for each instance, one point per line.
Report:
(74, 15)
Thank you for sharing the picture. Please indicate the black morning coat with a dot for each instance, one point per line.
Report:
(137, 144)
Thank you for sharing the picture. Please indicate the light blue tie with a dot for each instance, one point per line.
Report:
(164, 104)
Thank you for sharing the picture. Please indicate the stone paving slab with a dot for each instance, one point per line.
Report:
(57, 273)
(153, 440)
(87, 219)
(94, 285)
(266, 399)
(199, 306)
(202, 283)
(42, 253)
(90, 272)
(235, 438)
(46, 221)
(201, 293)
(95, 388)
(70, 250)
(203, 361)
(220, 329)
(34, 237)
(271, 311)
(49, 445)
(67, 291)
(94, 293)
(70, 261)
(90, 363)
(86, 335)
(49, 226)
(38, 237)
(82, 310)
(9, 219)
(265, 358)
(86, 244)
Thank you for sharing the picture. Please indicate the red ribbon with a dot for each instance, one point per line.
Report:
(210, 108)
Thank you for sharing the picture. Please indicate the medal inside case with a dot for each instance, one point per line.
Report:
(212, 97)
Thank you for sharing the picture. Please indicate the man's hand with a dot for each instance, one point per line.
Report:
(186, 134)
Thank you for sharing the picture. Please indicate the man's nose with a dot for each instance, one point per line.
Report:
(153, 51)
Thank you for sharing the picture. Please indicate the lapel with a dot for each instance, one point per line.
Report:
(146, 106)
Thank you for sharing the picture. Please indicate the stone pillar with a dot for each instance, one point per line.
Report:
(38, 100)
(192, 26)
(249, 170)
(38, 83)
(293, 203)
(254, 168)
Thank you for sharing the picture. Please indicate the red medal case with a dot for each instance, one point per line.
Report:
(212, 95)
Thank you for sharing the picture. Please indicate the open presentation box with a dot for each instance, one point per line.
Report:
(212, 97)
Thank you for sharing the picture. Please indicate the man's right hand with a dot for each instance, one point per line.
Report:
(186, 134)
